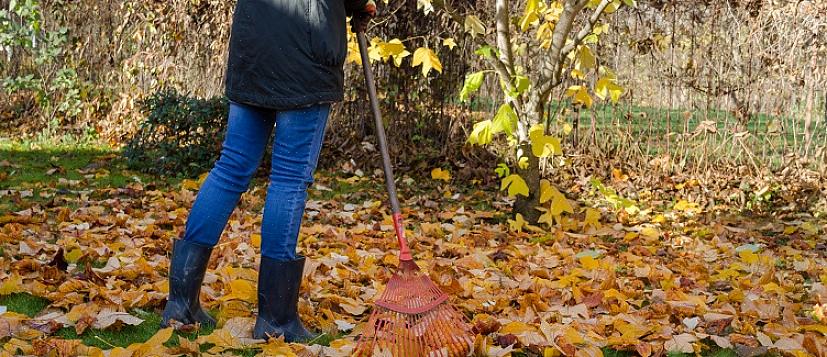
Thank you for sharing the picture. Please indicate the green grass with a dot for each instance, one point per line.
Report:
(31, 165)
(339, 187)
(23, 303)
(110, 338)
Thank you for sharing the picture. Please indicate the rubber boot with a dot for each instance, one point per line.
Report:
(186, 273)
(278, 298)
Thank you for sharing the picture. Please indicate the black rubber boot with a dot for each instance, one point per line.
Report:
(186, 273)
(278, 298)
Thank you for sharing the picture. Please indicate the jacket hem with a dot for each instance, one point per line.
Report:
(285, 103)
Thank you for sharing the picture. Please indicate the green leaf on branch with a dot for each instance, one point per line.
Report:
(473, 82)
(521, 84)
(505, 120)
(515, 185)
(485, 51)
(482, 133)
(502, 170)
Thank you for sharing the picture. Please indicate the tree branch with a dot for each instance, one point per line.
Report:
(502, 68)
(587, 29)
(504, 36)
(553, 65)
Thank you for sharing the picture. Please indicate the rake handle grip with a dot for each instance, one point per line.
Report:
(404, 251)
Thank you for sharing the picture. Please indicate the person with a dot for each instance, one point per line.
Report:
(285, 68)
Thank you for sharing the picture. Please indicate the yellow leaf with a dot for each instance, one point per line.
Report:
(551, 352)
(392, 49)
(531, 15)
(449, 42)
(222, 339)
(585, 59)
(427, 59)
(544, 33)
(572, 336)
(516, 328)
(11, 285)
(588, 262)
(546, 217)
(203, 177)
(608, 88)
(190, 185)
(241, 289)
(255, 240)
(517, 224)
(769, 287)
(353, 55)
(546, 191)
(440, 174)
(73, 255)
(523, 162)
(748, 256)
(592, 218)
(818, 328)
(515, 185)
(120, 352)
(580, 95)
(686, 206)
(810, 228)
(277, 347)
(543, 145)
(154, 346)
(559, 203)
(650, 233)
(474, 26)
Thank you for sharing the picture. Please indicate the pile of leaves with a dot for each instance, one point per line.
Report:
(648, 278)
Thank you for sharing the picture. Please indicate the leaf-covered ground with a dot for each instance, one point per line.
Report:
(83, 262)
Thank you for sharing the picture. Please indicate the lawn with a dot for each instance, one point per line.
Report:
(665, 280)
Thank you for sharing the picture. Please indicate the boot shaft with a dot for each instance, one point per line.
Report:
(187, 270)
(279, 283)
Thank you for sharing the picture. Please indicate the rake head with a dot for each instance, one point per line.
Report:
(412, 319)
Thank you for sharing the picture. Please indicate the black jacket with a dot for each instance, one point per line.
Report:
(287, 54)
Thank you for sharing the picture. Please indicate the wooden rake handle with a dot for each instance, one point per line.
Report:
(404, 251)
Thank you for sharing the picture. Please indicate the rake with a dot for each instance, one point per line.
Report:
(412, 317)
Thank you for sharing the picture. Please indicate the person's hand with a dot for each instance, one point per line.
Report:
(361, 19)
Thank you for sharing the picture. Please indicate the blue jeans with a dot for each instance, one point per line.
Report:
(296, 146)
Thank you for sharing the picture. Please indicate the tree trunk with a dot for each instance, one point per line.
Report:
(527, 206)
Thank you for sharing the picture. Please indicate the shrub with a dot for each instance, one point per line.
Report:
(181, 135)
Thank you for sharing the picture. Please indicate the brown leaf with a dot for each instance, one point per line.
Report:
(505, 340)
(644, 349)
(738, 339)
(59, 261)
(55, 347)
(815, 345)
(681, 343)
(485, 324)
(593, 300)
(107, 318)
(749, 351)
